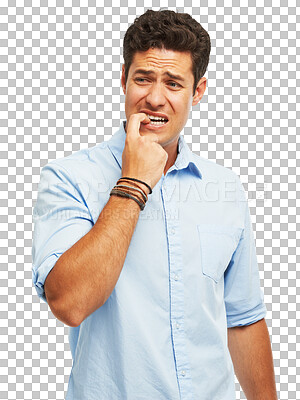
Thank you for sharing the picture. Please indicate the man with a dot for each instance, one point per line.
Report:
(146, 250)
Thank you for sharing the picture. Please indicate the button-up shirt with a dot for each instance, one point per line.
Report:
(190, 273)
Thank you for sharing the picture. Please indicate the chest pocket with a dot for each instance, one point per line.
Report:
(217, 245)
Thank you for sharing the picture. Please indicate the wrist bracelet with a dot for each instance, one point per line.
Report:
(120, 193)
(134, 188)
(137, 180)
(124, 181)
(127, 190)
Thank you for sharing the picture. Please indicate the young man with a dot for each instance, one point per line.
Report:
(146, 250)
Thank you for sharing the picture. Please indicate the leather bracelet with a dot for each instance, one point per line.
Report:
(137, 180)
(120, 193)
(136, 195)
(137, 185)
(127, 190)
(134, 188)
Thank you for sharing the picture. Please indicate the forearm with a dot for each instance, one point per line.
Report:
(251, 354)
(86, 274)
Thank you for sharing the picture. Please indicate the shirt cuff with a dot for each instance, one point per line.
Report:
(248, 317)
(39, 274)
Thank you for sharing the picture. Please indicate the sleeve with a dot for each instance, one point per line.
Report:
(61, 217)
(244, 298)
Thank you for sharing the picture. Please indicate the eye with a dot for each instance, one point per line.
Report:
(139, 79)
(174, 83)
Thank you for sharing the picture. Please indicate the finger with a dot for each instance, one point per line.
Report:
(134, 124)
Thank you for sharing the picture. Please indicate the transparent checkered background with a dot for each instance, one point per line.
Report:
(60, 92)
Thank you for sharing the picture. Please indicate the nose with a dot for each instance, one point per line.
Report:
(156, 96)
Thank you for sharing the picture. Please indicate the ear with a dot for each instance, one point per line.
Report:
(123, 83)
(200, 89)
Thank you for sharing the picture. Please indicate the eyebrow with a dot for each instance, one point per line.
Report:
(150, 72)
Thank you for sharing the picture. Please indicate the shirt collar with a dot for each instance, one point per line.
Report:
(185, 157)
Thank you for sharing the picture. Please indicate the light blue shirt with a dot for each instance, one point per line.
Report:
(190, 272)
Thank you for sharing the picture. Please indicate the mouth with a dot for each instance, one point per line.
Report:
(156, 121)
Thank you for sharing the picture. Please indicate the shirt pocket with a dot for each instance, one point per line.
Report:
(217, 245)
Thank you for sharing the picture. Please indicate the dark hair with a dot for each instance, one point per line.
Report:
(172, 31)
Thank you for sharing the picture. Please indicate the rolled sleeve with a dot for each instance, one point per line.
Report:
(61, 217)
(244, 298)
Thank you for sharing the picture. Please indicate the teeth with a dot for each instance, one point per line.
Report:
(152, 117)
(158, 122)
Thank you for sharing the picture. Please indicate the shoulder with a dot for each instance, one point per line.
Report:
(81, 160)
(88, 171)
(216, 178)
(93, 163)
(211, 170)
(86, 175)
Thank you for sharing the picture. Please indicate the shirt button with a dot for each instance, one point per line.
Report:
(173, 231)
(177, 325)
(183, 373)
(176, 277)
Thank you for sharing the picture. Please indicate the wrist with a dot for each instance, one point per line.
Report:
(132, 188)
(145, 185)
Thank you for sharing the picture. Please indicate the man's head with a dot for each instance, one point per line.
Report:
(166, 55)
(172, 31)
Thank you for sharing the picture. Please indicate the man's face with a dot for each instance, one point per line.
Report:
(166, 90)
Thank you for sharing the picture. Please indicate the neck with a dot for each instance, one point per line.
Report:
(171, 157)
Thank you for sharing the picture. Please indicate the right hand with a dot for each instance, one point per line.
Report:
(143, 157)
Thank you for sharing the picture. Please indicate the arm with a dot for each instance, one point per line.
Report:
(84, 276)
(251, 354)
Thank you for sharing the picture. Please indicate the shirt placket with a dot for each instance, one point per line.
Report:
(176, 290)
